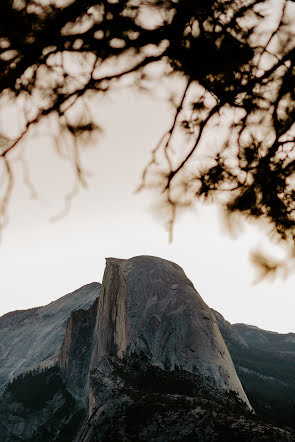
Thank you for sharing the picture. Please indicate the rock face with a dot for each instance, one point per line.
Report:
(75, 353)
(148, 306)
(31, 337)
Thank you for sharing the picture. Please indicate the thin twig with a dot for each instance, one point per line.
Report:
(7, 194)
(173, 173)
(167, 135)
(171, 131)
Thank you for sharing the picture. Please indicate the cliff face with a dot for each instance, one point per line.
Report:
(148, 306)
(32, 337)
(75, 353)
(110, 336)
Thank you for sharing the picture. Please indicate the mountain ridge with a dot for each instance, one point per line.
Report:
(267, 371)
(28, 337)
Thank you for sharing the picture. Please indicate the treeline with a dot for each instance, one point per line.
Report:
(268, 380)
(36, 387)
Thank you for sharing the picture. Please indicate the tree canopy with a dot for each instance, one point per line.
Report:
(236, 63)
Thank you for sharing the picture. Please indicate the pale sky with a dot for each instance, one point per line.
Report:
(42, 260)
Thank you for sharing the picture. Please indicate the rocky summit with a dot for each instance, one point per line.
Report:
(145, 362)
(148, 306)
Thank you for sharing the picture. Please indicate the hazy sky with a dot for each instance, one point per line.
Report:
(42, 260)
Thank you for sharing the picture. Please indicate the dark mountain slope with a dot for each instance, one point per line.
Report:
(267, 375)
(266, 340)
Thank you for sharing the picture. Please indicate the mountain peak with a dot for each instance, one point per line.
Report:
(148, 306)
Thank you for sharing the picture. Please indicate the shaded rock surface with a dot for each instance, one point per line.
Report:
(28, 337)
(37, 406)
(148, 306)
(266, 340)
(75, 353)
(265, 364)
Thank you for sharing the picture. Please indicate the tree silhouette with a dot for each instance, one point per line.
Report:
(235, 60)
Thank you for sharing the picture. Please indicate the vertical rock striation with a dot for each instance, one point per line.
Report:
(75, 353)
(149, 307)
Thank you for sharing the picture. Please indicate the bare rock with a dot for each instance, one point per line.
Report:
(148, 306)
(75, 353)
(32, 337)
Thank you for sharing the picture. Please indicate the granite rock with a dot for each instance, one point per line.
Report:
(148, 306)
(32, 337)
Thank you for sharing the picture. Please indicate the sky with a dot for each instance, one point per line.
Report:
(42, 260)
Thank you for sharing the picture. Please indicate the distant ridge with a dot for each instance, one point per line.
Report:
(265, 363)
(28, 337)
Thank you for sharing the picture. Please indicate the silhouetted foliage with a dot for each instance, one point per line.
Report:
(234, 60)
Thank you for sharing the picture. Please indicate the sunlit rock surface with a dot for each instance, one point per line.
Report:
(30, 337)
(148, 306)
